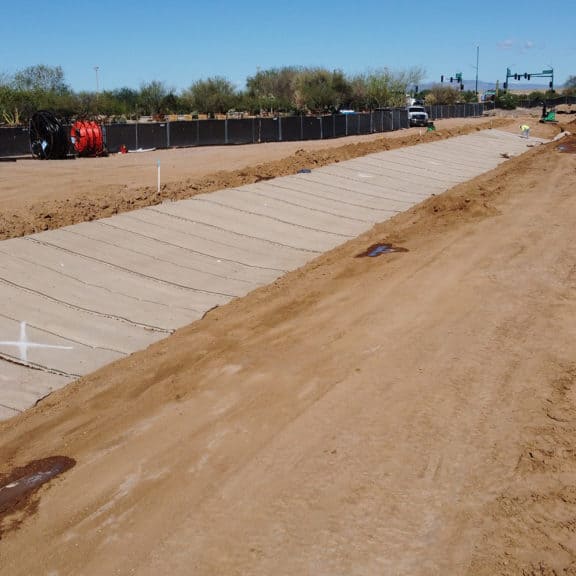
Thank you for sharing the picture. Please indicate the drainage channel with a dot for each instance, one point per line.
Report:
(159, 286)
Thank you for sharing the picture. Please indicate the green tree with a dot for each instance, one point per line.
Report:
(359, 99)
(319, 90)
(342, 90)
(213, 95)
(386, 87)
(273, 88)
(34, 88)
(128, 100)
(41, 78)
(536, 96)
(87, 104)
(151, 97)
(379, 89)
(171, 104)
(246, 103)
(313, 90)
(402, 81)
(468, 96)
(442, 94)
(507, 101)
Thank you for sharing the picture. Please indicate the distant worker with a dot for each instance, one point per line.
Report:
(525, 130)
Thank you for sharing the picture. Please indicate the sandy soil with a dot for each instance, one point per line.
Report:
(37, 195)
(411, 414)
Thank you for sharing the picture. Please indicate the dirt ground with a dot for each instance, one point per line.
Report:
(410, 414)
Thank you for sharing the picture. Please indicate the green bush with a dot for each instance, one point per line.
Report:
(507, 101)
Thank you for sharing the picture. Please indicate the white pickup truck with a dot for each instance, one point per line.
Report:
(417, 116)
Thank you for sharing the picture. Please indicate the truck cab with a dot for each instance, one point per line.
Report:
(417, 115)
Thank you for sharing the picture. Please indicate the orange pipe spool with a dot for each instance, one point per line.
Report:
(87, 138)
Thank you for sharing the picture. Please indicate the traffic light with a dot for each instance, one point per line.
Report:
(525, 75)
(528, 76)
(442, 78)
(505, 85)
(515, 76)
(461, 86)
(451, 79)
(550, 84)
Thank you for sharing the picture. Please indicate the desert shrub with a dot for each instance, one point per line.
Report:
(507, 101)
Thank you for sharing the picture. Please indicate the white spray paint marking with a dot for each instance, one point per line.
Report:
(23, 344)
(361, 175)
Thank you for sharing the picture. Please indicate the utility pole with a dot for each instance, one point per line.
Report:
(477, 60)
(96, 68)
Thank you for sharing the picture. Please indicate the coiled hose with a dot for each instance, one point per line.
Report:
(48, 138)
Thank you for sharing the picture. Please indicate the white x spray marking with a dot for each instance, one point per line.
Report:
(23, 344)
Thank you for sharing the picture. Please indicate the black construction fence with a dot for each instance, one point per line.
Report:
(250, 130)
(526, 102)
(15, 141)
(457, 110)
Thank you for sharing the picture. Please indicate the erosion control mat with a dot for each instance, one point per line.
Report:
(167, 266)
(19, 220)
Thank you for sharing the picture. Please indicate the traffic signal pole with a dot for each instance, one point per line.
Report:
(528, 75)
(458, 78)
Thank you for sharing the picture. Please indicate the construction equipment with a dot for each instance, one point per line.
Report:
(548, 116)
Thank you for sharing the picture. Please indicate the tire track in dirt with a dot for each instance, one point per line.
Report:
(532, 526)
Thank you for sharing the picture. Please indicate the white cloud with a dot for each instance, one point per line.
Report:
(529, 45)
(505, 44)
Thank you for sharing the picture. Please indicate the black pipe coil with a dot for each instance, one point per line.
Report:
(48, 138)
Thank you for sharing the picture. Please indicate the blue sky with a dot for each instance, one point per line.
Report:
(178, 42)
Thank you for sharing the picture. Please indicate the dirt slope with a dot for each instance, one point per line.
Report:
(411, 414)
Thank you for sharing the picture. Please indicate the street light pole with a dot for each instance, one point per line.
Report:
(96, 68)
(477, 60)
